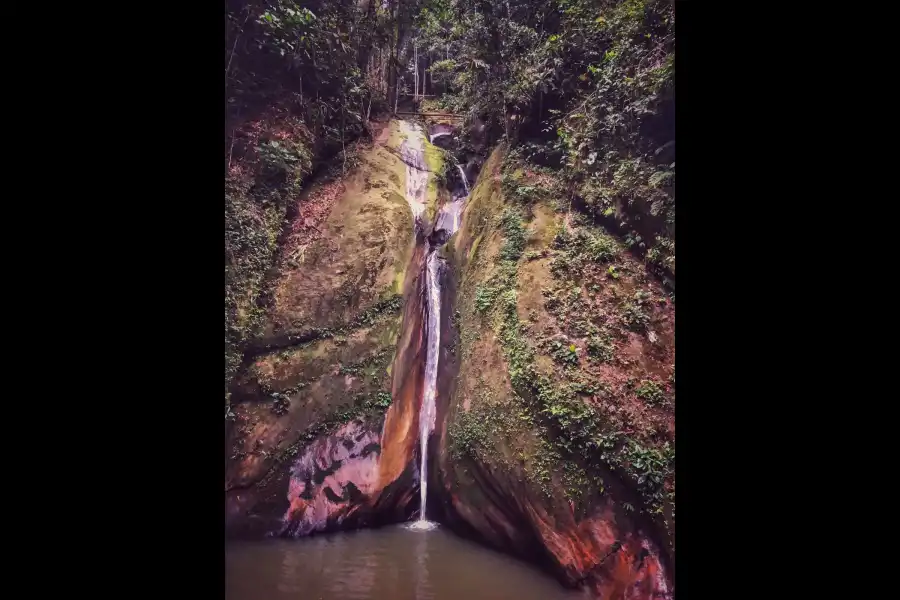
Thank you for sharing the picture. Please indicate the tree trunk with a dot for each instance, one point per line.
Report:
(392, 61)
(365, 40)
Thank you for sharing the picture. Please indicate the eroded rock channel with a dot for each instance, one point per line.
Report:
(335, 409)
(401, 375)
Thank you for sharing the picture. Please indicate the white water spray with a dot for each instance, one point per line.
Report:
(463, 175)
(412, 150)
(427, 412)
(450, 213)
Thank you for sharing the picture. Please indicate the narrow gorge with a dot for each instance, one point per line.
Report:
(364, 470)
(450, 336)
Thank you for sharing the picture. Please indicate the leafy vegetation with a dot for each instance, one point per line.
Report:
(578, 445)
(380, 310)
(601, 348)
(577, 250)
(634, 314)
(651, 392)
(303, 79)
(254, 212)
(566, 354)
(582, 86)
(470, 432)
(309, 364)
(326, 59)
(368, 365)
(513, 233)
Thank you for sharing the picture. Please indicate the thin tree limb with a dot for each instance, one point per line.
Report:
(234, 46)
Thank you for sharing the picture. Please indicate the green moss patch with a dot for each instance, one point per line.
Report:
(563, 333)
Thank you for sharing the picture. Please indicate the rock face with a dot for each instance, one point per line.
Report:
(325, 410)
(556, 412)
(554, 425)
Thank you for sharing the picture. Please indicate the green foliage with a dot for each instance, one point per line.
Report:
(575, 251)
(582, 85)
(516, 187)
(514, 235)
(601, 348)
(566, 354)
(253, 217)
(382, 400)
(468, 432)
(651, 467)
(634, 317)
(484, 297)
(386, 306)
(652, 393)
(309, 53)
(288, 158)
(284, 25)
(371, 366)
(634, 313)
(296, 94)
(662, 178)
(662, 254)
(574, 437)
(632, 238)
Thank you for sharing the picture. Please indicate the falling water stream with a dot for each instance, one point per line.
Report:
(462, 174)
(447, 220)
(427, 411)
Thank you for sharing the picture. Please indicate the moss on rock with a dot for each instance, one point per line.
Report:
(546, 394)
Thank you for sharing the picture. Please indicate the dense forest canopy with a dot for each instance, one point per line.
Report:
(585, 86)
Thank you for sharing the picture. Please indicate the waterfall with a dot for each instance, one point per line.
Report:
(427, 412)
(463, 174)
(447, 219)
(437, 135)
(412, 151)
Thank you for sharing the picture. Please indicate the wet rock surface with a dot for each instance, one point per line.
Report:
(328, 431)
(500, 478)
(323, 432)
(338, 481)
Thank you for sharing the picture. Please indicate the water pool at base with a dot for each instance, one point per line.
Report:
(390, 563)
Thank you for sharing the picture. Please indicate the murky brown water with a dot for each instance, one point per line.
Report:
(391, 563)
